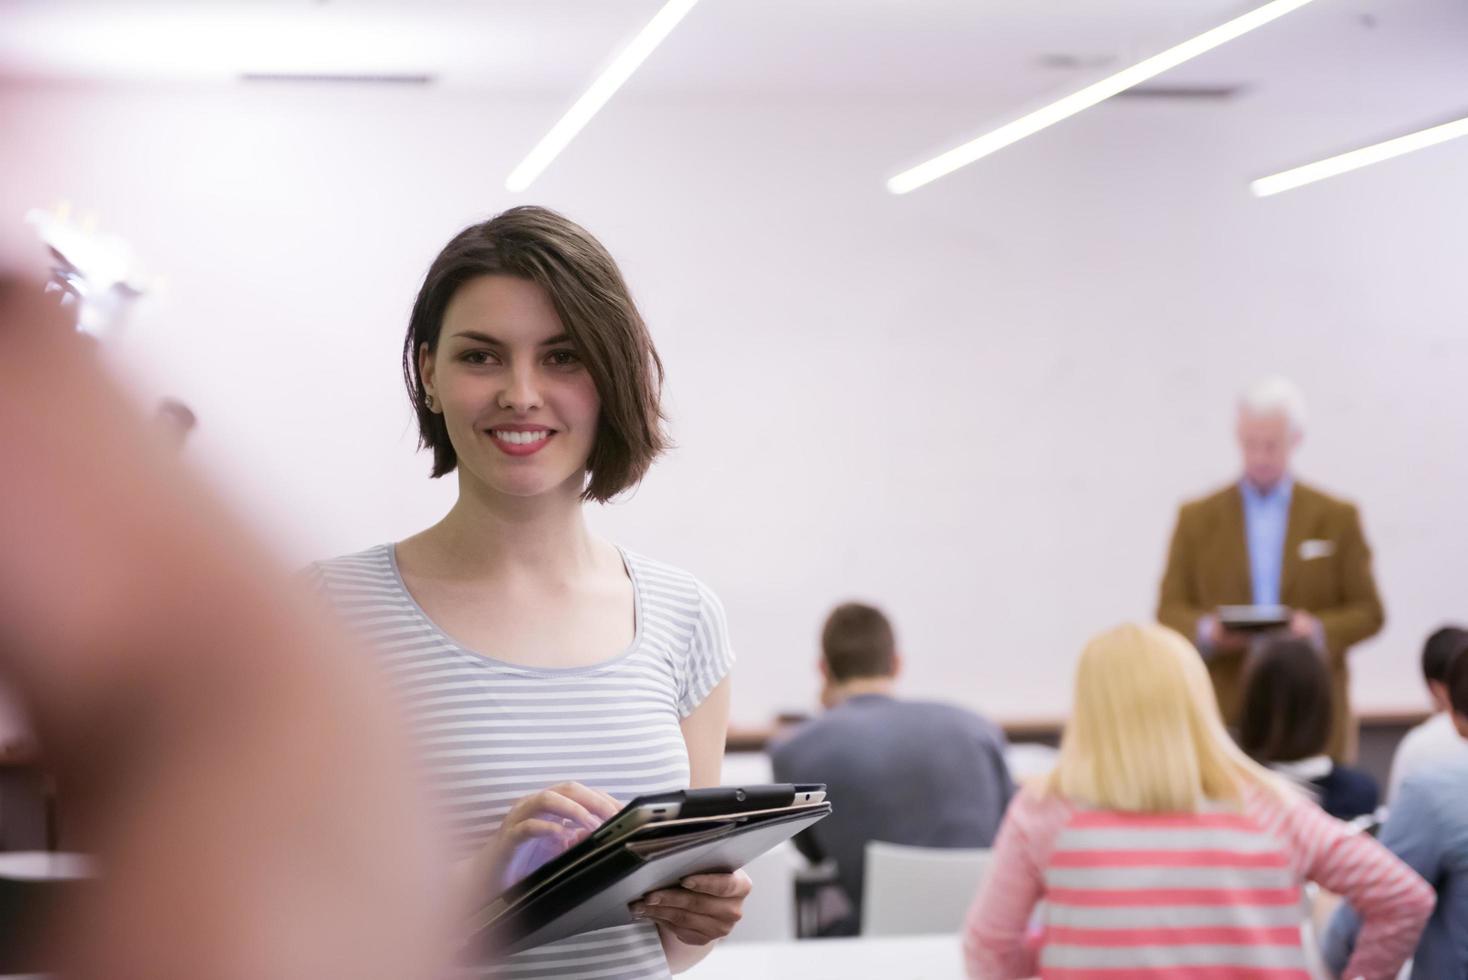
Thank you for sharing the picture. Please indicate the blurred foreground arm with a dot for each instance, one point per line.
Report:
(239, 777)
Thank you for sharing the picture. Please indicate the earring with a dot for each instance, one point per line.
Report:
(428, 400)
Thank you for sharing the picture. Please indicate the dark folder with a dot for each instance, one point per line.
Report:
(591, 885)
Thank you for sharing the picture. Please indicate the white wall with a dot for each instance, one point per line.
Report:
(978, 405)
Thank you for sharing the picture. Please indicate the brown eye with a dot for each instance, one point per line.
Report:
(562, 358)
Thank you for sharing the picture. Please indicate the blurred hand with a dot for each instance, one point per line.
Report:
(702, 909)
(1306, 627)
(1221, 639)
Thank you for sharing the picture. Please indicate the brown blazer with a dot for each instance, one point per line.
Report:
(1208, 566)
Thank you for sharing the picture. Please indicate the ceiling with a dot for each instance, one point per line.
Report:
(1393, 63)
(933, 48)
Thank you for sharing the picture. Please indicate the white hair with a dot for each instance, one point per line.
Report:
(1275, 396)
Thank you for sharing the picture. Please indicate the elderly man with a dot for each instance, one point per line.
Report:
(1267, 540)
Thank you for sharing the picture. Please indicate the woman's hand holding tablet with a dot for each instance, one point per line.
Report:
(665, 858)
(704, 908)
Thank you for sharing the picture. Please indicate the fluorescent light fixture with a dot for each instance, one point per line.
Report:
(1288, 180)
(606, 85)
(218, 41)
(1097, 92)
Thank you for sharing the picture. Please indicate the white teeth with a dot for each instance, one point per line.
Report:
(519, 438)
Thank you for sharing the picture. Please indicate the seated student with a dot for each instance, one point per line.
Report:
(1428, 829)
(906, 772)
(1285, 724)
(1435, 740)
(1161, 850)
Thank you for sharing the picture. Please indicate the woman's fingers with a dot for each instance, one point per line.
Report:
(735, 885)
(523, 830)
(594, 800)
(704, 908)
(611, 805)
(567, 813)
(689, 926)
(553, 803)
(567, 806)
(681, 899)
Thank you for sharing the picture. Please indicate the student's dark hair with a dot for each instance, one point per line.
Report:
(1287, 702)
(597, 312)
(1456, 677)
(857, 641)
(1439, 650)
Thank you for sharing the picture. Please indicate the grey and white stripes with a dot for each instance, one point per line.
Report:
(493, 732)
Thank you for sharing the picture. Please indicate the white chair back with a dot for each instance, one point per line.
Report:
(769, 911)
(909, 891)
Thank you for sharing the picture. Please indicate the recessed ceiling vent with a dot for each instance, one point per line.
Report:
(1160, 91)
(337, 79)
(1184, 93)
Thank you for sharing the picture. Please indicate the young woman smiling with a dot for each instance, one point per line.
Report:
(550, 674)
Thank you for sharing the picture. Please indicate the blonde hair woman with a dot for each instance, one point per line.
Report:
(1160, 850)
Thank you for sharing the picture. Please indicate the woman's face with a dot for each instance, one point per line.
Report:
(520, 407)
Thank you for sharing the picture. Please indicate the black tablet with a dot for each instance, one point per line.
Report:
(653, 842)
(1253, 618)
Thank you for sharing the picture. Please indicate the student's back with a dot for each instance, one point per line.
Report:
(1347, 792)
(1157, 849)
(1165, 894)
(1344, 792)
(1286, 723)
(1435, 741)
(906, 772)
(1428, 829)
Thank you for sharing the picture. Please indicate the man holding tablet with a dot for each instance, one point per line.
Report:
(1268, 552)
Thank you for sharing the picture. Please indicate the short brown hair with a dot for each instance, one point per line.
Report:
(1287, 702)
(597, 311)
(1439, 651)
(857, 641)
(1455, 676)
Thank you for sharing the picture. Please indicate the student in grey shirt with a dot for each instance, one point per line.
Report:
(1428, 828)
(906, 772)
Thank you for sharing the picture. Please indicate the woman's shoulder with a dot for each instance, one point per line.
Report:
(1284, 809)
(1036, 820)
(671, 585)
(367, 568)
(1037, 805)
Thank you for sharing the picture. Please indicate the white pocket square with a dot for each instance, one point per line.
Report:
(1316, 548)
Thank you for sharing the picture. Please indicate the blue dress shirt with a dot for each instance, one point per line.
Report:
(1266, 518)
(1427, 828)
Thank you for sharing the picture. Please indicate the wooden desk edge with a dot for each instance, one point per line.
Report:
(754, 738)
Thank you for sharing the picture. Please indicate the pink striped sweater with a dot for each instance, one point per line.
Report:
(1205, 896)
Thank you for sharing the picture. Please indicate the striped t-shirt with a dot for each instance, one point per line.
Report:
(1214, 895)
(492, 732)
